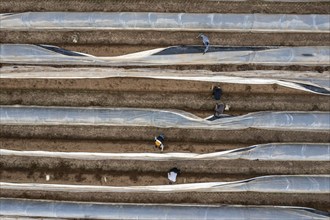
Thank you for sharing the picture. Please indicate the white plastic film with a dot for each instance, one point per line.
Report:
(161, 118)
(266, 152)
(266, 184)
(80, 210)
(165, 21)
(314, 82)
(180, 55)
(280, 0)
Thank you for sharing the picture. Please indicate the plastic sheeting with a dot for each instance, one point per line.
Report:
(161, 118)
(79, 210)
(27, 218)
(268, 152)
(314, 82)
(282, 0)
(266, 184)
(165, 21)
(271, 0)
(180, 55)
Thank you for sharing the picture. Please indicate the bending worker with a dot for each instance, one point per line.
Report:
(206, 42)
(159, 142)
(172, 174)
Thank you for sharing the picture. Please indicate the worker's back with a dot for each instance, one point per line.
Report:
(159, 142)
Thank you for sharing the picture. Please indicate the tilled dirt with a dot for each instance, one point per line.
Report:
(192, 96)
(248, 136)
(201, 103)
(121, 173)
(317, 201)
(213, 68)
(106, 43)
(132, 84)
(111, 146)
(187, 6)
(111, 178)
(238, 169)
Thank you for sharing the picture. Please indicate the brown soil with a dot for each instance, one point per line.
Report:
(195, 97)
(107, 42)
(188, 6)
(131, 84)
(201, 103)
(112, 178)
(234, 169)
(110, 146)
(248, 136)
(213, 68)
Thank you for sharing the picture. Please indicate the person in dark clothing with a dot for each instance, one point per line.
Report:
(219, 112)
(219, 109)
(217, 92)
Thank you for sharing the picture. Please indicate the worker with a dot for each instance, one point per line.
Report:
(219, 112)
(217, 92)
(172, 174)
(206, 42)
(159, 142)
(219, 109)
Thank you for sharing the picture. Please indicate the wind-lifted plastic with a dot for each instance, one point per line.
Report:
(181, 55)
(161, 118)
(266, 152)
(165, 21)
(266, 184)
(78, 210)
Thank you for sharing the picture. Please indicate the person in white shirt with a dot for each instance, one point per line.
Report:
(172, 174)
(206, 42)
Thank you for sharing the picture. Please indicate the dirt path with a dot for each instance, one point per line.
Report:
(111, 178)
(212, 68)
(107, 42)
(201, 103)
(248, 136)
(192, 96)
(138, 173)
(218, 168)
(192, 6)
(132, 84)
(110, 146)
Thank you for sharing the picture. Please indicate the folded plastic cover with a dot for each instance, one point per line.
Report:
(165, 21)
(267, 184)
(161, 118)
(177, 55)
(80, 210)
(309, 81)
(267, 152)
